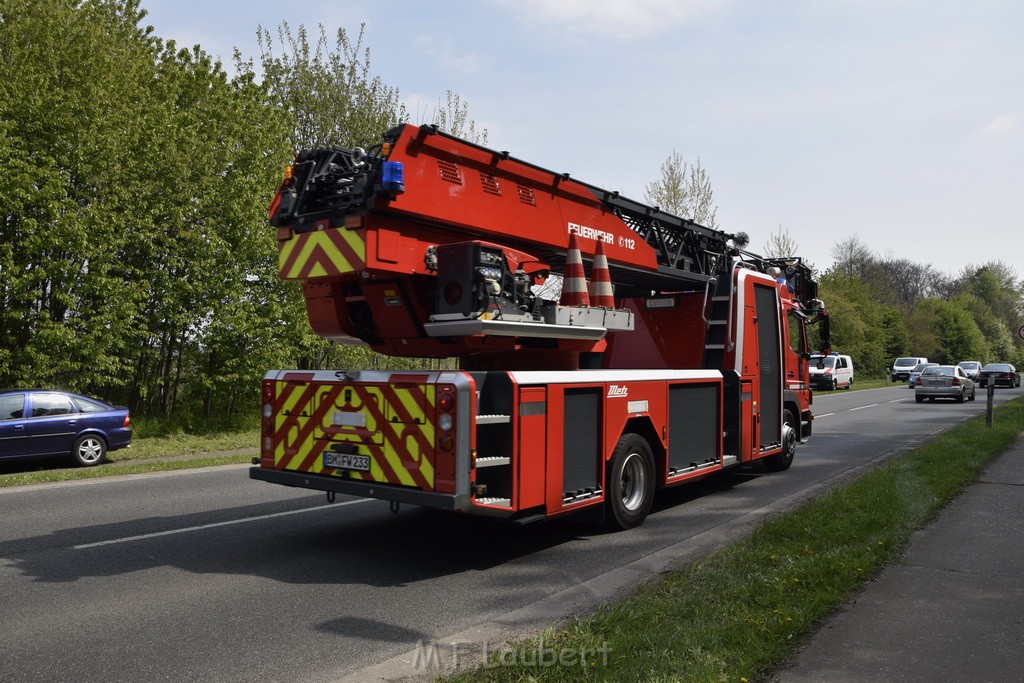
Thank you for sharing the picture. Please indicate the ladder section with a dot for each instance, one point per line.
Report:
(718, 339)
(686, 250)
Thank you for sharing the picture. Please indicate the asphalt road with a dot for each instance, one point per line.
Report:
(206, 575)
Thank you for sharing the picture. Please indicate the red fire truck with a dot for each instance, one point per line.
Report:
(688, 355)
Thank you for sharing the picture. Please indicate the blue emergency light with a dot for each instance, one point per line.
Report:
(393, 176)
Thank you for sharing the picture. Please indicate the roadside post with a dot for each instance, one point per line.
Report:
(991, 392)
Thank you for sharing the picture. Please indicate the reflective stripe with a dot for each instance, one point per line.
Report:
(324, 253)
(398, 435)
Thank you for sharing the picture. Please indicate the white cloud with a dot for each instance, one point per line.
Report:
(619, 18)
(1000, 124)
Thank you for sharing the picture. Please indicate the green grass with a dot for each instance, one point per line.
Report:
(186, 444)
(738, 614)
(146, 454)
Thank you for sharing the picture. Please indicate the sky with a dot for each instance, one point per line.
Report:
(898, 122)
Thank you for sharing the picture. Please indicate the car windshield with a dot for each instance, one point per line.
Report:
(905, 362)
(826, 361)
(969, 365)
(996, 367)
(920, 366)
(944, 370)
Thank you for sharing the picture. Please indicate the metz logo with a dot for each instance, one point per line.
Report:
(615, 391)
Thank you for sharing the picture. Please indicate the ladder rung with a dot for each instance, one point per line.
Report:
(500, 502)
(492, 461)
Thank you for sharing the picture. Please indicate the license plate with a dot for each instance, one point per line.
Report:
(347, 461)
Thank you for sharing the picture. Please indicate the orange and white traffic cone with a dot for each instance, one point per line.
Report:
(574, 280)
(601, 280)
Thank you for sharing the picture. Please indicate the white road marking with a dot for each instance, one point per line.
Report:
(899, 400)
(201, 527)
(863, 407)
(818, 417)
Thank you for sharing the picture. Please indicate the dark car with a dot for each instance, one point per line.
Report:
(37, 423)
(1000, 375)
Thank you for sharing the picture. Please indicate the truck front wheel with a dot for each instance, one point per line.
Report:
(782, 461)
(630, 488)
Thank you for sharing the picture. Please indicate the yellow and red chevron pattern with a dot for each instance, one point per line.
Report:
(392, 423)
(322, 253)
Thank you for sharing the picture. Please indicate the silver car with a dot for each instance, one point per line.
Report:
(944, 381)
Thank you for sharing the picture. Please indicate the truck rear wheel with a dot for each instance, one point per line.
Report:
(630, 488)
(782, 461)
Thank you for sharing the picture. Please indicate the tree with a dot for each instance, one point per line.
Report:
(74, 104)
(852, 258)
(870, 332)
(945, 332)
(781, 245)
(996, 301)
(330, 94)
(453, 117)
(902, 283)
(133, 224)
(684, 190)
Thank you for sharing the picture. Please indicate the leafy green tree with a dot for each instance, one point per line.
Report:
(895, 335)
(994, 296)
(134, 228)
(868, 331)
(73, 101)
(945, 332)
(219, 281)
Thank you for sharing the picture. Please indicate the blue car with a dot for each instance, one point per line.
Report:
(39, 423)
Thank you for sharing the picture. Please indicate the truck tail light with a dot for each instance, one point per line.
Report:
(446, 400)
(445, 418)
(267, 417)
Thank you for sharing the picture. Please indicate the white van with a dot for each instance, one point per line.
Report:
(902, 368)
(831, 372)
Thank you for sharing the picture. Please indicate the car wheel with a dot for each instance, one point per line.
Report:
(790, 435)
(630, 483)
(962, 397)
(973, 395)
(89, 450)
(919, 399)
(849, 385)
(835, 384)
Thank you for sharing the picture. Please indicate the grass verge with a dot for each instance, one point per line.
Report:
(739, 613)
(186, 444)
(149, 454)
